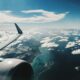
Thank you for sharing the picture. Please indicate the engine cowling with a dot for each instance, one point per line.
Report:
(15, 69)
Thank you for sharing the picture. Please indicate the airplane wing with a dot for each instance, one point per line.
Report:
(4, 43)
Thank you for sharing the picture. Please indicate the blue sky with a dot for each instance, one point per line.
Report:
(58, 13)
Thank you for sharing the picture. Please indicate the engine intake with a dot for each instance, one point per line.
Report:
(15, 69)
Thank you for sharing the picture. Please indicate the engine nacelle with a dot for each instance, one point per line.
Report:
(15, 69)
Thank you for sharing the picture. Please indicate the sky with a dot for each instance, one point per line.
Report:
(41, 13)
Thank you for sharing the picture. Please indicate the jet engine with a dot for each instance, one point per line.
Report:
(15, 69)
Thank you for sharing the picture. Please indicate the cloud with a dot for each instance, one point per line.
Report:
(64, 39)
(49, 45)
(76, 52)
(46, 40)
(2, 36)
(45, 16)
(70, 44)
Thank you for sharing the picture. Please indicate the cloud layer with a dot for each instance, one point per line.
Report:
(45, 16)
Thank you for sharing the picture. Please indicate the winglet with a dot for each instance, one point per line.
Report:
(18, 29)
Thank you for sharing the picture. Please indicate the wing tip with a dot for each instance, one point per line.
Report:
(18, 29)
